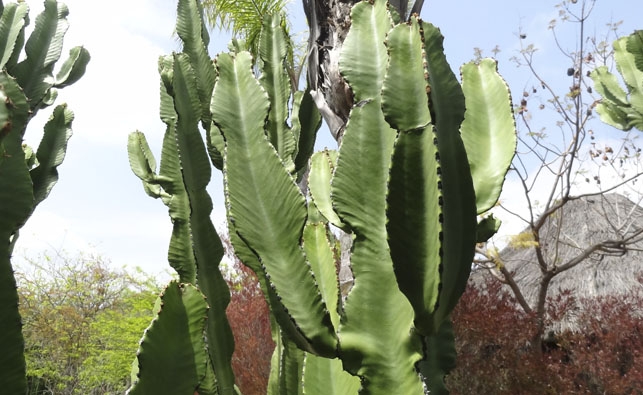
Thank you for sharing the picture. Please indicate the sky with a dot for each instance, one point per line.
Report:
(99, 206)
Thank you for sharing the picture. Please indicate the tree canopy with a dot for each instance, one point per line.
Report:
(82, 322)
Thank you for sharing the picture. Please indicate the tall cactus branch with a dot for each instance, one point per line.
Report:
(329, 23)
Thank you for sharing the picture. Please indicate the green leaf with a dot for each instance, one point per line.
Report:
(180, 253)
(626, 62)
(142, 163)
(16, 54)
(287, 331)
(375, 341)
(322, 262)
(374, 336)
(635, 47)
(431, 202)
(16, 204)
(616, 108)
(166, 71)
(447, 101)
(173, 346)
(607, 85)
(242, 17)
(195, 248)
(16, 191)
(415, 228)
(275, 359)
(291, 369)
(195, 166)
(5, 119)
(216, 145)
(459, 204)
(488, 130)
(168, 185)
(208, 386)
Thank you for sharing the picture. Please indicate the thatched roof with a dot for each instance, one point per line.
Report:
(576, 226)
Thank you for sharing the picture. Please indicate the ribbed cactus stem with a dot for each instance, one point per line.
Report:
(406, 185)
(27, 84)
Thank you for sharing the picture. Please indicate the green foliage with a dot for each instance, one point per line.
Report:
(82, 322)
(243, 18)
(621, 109)
(28, 84)
(401, 184)
(118, 332)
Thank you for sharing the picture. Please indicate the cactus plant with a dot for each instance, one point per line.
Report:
(623, 110)
(183, 318)
(407, 183)
(27, 177)
(195, 248)
(431, 202)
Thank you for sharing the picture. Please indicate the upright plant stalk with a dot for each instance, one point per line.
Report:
(28, 84)
(380, 332)
(406, 183)
(195, 248)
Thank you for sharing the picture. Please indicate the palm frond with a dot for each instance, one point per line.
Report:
(241, 17)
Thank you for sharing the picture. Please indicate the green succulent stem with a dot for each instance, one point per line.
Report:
(406, 184)
(618, 107)
(27, 177)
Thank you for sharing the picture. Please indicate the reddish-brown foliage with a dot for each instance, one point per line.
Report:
(495, 355)
(250, 321)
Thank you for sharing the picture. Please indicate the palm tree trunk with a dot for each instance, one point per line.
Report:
(328, 21)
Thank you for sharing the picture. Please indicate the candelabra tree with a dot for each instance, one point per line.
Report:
(27, 85)
(421, 156)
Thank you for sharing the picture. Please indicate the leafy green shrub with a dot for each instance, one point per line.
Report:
(82, 323)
